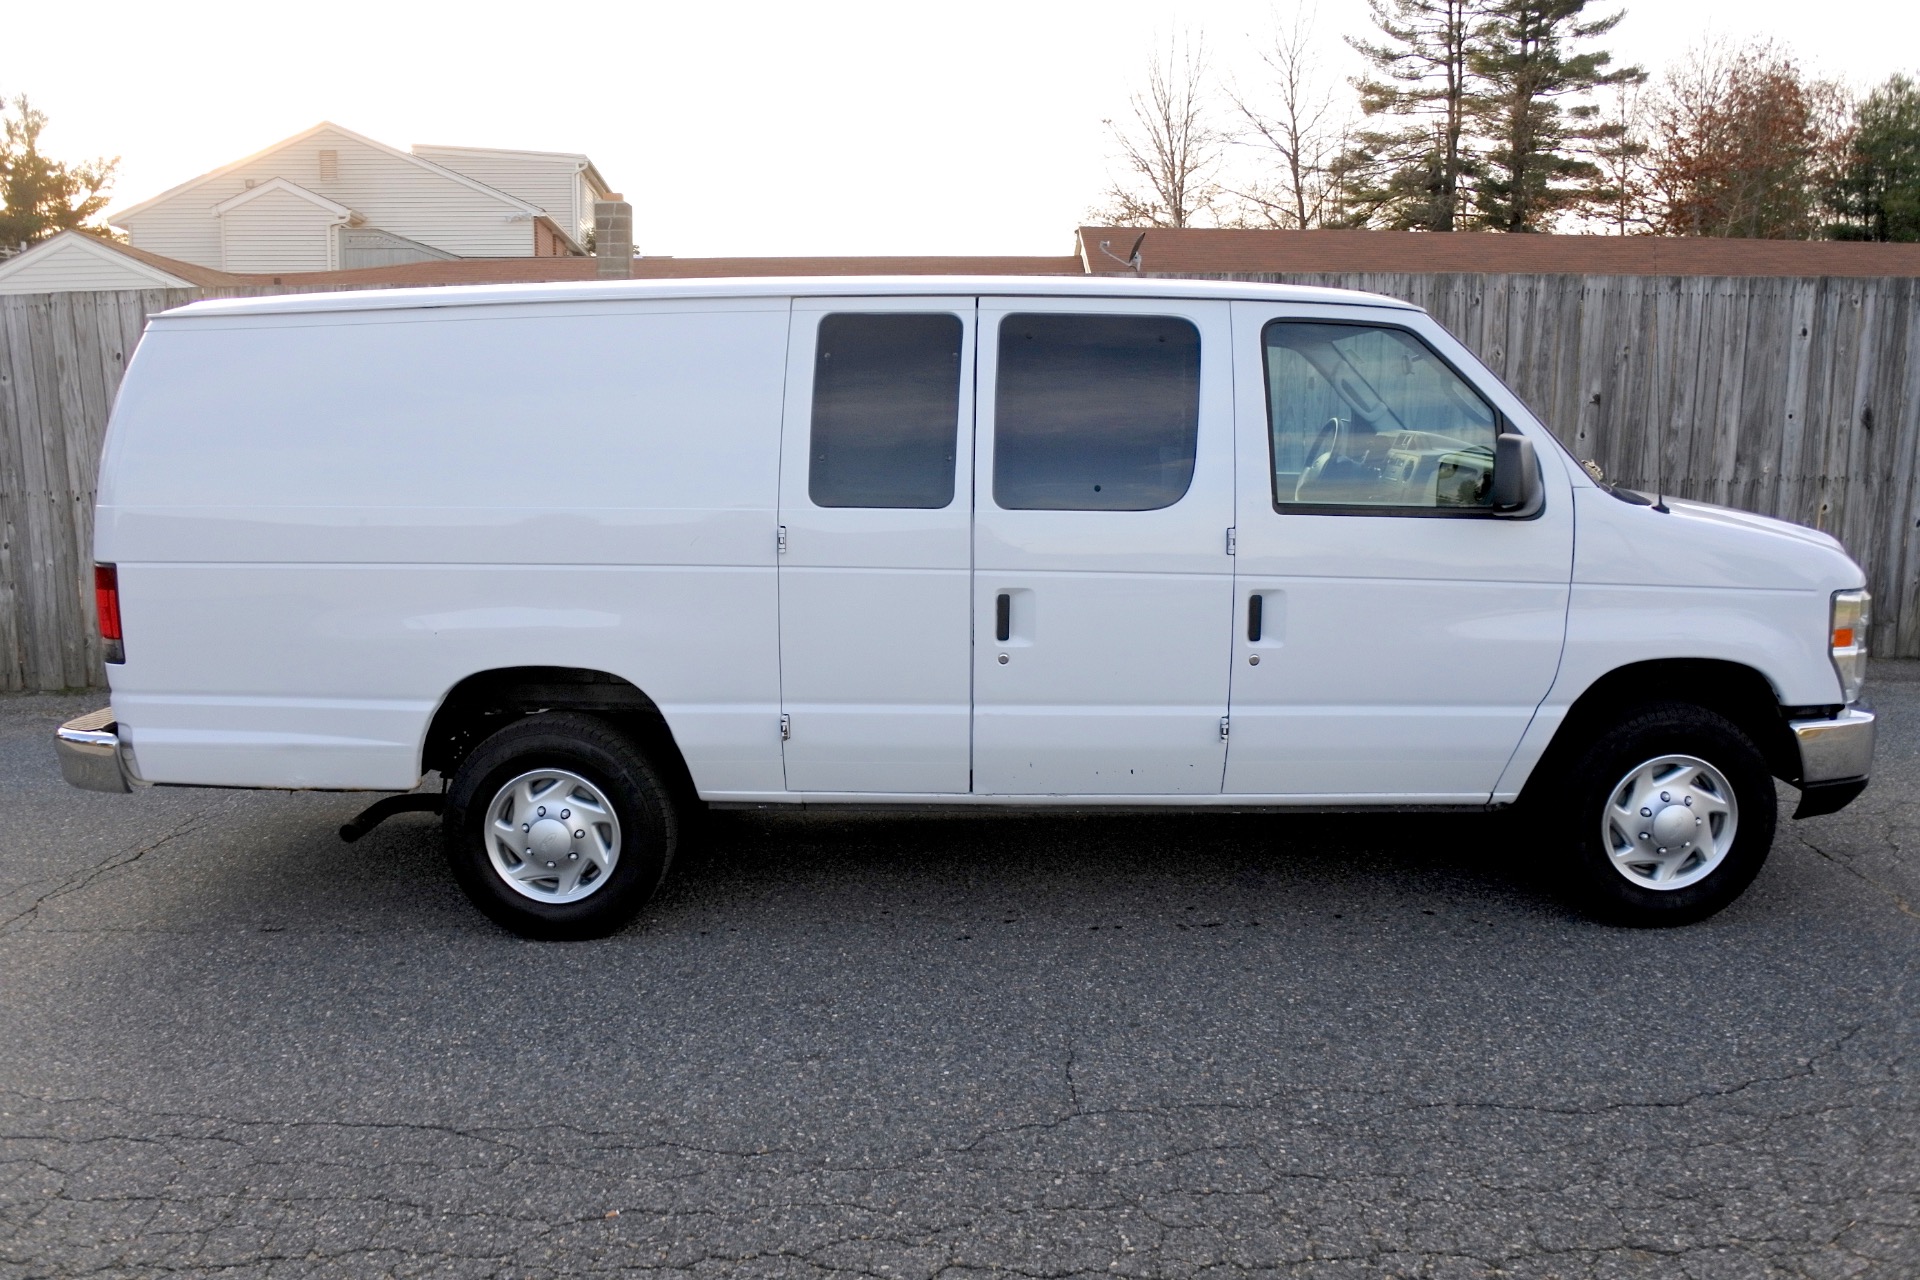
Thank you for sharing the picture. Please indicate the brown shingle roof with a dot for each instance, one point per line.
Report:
(192, 273)
(1194, 252)
(1203, 252)
(553, 270)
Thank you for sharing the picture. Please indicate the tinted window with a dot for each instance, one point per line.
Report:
(886, 411)
(1366, 417)
(1095, 413)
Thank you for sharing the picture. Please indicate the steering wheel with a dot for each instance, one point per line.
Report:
(1328, 449)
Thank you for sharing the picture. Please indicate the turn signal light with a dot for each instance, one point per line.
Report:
(106, 599)
(1852, 614)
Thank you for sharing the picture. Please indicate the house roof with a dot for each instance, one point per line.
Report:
(164, 272)
(205, 277)
(560, 270)
(1197, 253)
(477, 271)
(1221, 252)
(259, 189)
(580, 160)
(327, 126)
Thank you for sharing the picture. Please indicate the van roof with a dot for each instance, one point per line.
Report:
(777, 287)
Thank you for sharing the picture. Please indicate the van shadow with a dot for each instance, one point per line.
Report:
(1079, 864)
(770, 868)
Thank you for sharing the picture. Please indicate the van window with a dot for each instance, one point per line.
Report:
(1370, 417)
(1095, 412)
(886, 410)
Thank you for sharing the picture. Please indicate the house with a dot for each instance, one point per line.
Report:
(74, 261)
(330, 199)
(562, 183)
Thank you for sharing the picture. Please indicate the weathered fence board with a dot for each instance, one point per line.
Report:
(1792, 397)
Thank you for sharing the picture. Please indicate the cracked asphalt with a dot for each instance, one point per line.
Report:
(1032, 1046)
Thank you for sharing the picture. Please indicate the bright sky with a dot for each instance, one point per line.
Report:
(826, 127)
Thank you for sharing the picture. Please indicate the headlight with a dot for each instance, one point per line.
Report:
(1852, 615)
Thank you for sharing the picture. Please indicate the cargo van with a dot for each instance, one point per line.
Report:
(599, 555)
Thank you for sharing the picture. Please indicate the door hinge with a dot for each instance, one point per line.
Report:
(1233, 541)
(786, 727)
(780, 540)
(1225, 725)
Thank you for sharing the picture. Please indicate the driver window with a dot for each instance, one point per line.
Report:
(1366, 417)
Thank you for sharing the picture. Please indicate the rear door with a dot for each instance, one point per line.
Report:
(875, 496)
(1102, 585)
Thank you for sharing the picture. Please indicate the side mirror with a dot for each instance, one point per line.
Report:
(1518, 491)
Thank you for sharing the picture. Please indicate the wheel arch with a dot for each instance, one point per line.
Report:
(487, 701)
(1739, 692)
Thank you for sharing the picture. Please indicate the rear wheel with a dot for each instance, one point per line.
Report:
(558, 827)
(1669, 815)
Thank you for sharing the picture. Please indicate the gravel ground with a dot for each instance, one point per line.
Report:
(1039, 1046)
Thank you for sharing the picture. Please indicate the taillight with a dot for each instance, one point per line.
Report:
(106, 599)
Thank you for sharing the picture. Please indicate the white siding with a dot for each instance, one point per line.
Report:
(390, 191)
(550, 181)
(277, 232)
(583, 193)
(66, 267)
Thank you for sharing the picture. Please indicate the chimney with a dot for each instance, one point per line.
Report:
(613, 237)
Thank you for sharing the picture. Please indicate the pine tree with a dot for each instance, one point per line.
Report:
(1525, 59)
(1415, 173)
(39, 196)
(1876, 194)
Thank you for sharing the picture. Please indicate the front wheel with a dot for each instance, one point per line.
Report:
(1670, 815)
(558, 827)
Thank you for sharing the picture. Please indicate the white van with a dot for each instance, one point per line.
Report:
(600, 553)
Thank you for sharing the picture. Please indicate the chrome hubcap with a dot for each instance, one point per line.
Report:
(552, 836)
(1670, 822)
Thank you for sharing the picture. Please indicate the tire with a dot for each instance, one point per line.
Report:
(1702, 779)
(589, 806)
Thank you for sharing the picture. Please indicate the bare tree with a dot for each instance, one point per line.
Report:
(1169, 149)
(1300, 130)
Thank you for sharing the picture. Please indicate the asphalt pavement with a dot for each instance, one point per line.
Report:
(1231, 1045)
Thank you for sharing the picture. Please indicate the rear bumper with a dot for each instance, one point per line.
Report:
(1836, 755)
(92, 756)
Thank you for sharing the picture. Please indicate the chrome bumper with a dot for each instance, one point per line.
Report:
(1836, 750)
(92, 757)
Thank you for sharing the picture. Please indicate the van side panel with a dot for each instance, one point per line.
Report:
(323, 523)
(1730, 595)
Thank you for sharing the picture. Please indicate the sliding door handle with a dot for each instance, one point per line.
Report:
(1003, 617)
(1254, 610)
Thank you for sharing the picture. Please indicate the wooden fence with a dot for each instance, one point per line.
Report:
(1796, 398)
(61, 357)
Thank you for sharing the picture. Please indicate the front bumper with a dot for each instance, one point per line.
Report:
(92, 756)
(1836, 756)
